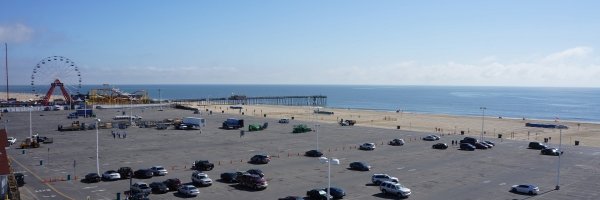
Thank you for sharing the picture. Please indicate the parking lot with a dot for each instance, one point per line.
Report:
(429, 173)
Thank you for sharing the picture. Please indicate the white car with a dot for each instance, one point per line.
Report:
(394, 188)
(159, 171)
(201, 179)
(111, 175)
(528, 189)
(12, 140)
(141, 187)
(367, 146)
(377, 179)
(189, 190)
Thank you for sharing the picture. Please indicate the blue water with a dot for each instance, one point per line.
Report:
(573, 104)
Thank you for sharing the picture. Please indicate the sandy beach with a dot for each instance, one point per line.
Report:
(586, 133)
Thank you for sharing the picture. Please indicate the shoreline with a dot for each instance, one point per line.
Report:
(588, 134)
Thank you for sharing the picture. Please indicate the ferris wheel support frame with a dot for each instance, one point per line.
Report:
(56, 83)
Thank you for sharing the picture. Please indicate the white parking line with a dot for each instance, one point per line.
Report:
(410, 170)
(43, 190)
(488, 181)
(89, 187)
(51, 196)
(502, 184)
(399, 168)
(100, 190)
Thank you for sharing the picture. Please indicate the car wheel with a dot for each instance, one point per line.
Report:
(530, 192)
(383, 191)
(513, 190)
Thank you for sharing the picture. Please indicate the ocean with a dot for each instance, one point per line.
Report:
(570, 104)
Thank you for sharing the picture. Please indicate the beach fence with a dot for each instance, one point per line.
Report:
(315, 100)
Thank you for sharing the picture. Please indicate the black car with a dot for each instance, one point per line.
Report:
(260, 159)
(396, 142)
(202, 165)
(229, 177)
(159, 187)
(20, 179)
(479, 145)
(335, 192)
(143, 173)
(317, 194)
(551, 151)
(125, 172)
(537, 145)
(440, 146)
(256, 172)
(490, 143)
(292, 198)
(360, 166)
(92, 178)
(469, 140)
(314, 153)
(173, 184)
(467, 146)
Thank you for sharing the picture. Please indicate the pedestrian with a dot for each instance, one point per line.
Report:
(125, 135)
(119, 134)
(114, 135)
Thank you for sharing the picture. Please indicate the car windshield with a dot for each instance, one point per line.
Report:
(143, 186)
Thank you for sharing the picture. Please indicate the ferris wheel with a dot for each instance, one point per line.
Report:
(55, 72)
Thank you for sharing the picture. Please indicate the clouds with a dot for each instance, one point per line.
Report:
(16, 33)
(577, 52)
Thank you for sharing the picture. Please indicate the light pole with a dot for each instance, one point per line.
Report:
(560, 128)
(97, 148)
(335, 161)
(317, 130)
(30, 129)
(130, 110)
(482, 120)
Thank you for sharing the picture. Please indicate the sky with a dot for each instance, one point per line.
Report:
(459, 43)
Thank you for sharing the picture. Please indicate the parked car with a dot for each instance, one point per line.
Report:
(159, 171)
(189, 190)
(440, 146)
(172, 183)
(377, 179)
(528, 189)
(125, 172)
(537, 145)
(202, 165)
(394, 188)
(252, 181)
(336, 192)
(92, 178)
(489, 146)
(551, 151)
(143, 173)
(467, 147)
(260, 159)
(490, 143)
(396, 142)
(141, 187)
(201, 179)
(159, 187)
(292, 198)
(314, 153)
(20, 178)
(479, 145)
(317, 194)
(367, 146)
(360, 166)
(469, 140)
(284, 121)
(256, 172)
(430, 138)
(12, 140)
(229, 177)
(111, 175)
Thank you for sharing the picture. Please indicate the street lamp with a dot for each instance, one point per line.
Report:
(30, 130)
(482, 120)
(317, 130)
(335, 161)
(97, 148)
(560, 128)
